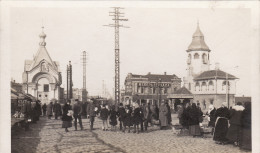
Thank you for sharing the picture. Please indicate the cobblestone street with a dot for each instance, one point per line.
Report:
(48, 136)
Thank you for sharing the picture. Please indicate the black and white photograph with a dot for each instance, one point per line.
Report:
(129, 76)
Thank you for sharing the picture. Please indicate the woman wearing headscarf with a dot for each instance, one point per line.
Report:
(221, 125)
(235, 123)
(128, 118)
(163, 112)
(179, 112)
(194, 116)
(185, 116)
(50, 110)
(66, 116)
(245, 138)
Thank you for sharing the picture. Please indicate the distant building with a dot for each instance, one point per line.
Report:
(151, 88)
(207, 86)
(17, 86)
(42, 75)
(242, 99)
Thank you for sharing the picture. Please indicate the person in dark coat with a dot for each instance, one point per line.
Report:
(234, 130)
(163, 116)
(246, 137)
(91, 111)
(38, 110)
(104, 116)
(221, 126)
(128, 118)
(147, 115)
(185, 116)
(49, 110)
(44, 108)
(137, 117)
(211, 116)
(26, 110)
(66, 116)
(194, 115)
(34, 112)
(113, 118)
(122, 113)
(57, 109)
(77, 111)
(169, 115)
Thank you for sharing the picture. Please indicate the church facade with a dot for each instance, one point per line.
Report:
(207, 86)
(42, 76)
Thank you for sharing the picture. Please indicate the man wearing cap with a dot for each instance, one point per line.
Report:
(77, 114)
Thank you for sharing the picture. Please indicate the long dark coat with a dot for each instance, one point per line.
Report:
(57, 109)
(212, 118)
(185, 117)
(113, 117)
(235, 123)
(137, 118)
(147, 113)
(49, 109)
(65, 117)
(163, 112)
(194, 114)
(245, 138)
(169, 115)
(128, 121)
(221, 127)
(122, 113)
(104, 113)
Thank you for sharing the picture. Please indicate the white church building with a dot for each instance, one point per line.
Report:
(207, 86)
(42, 75)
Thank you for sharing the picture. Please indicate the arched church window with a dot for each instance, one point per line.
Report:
(211, 86)
(196, 56)
(197, 86)
(189, 59)
(44, 67)
(203, 86)
(204, 58)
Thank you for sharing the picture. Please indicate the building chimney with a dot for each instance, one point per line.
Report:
(149, 73)
(14, 81)
(165, 73)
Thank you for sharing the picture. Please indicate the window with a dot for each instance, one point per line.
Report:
(224, 85)
(211, 85)
(204, 58)
(189, 59)
(197, 86)
(203, 86)
(46, 88)
(196, 56)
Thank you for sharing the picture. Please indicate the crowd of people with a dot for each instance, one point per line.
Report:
(229, 125)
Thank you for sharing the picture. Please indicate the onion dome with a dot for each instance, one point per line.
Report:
(42, 38)
(198, 43)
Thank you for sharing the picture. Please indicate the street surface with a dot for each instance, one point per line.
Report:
(47, 136)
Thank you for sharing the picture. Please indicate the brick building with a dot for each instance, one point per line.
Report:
(151, 88)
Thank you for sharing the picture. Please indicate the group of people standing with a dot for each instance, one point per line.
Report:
(233, 125)
(229, 125)
(135, 116)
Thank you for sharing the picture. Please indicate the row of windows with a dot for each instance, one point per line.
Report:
(197, 56)
(210, 86)
(148, 90)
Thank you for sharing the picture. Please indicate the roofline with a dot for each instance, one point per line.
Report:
(207, 78)
(189, 50)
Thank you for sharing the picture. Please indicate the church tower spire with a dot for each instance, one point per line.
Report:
(42, 38)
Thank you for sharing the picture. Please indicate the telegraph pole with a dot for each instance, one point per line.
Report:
(69, 81)
(117, 14)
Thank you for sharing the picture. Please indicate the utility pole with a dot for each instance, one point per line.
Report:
(117, 14)
(84, 90)
(69, 81)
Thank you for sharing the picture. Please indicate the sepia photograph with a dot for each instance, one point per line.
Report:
(129, 76)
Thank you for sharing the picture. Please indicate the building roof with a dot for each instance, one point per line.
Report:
(182, 90)
(156, 77)
(198, 42)
(214, 74)
(242, 99)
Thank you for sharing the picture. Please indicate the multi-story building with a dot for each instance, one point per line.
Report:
(207, 86)
(151, 88)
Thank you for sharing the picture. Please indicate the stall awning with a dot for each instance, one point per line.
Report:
(14, 96)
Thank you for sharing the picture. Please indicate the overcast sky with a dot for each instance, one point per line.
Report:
(156, 41)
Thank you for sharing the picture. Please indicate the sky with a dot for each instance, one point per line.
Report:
(156, 41)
